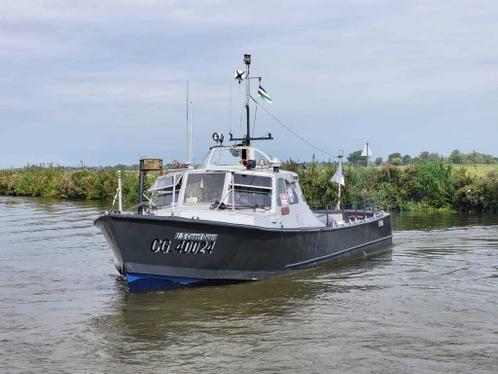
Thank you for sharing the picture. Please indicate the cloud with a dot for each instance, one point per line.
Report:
(131, 86)
(363, 69)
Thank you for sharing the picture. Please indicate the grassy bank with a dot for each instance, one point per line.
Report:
(433, 185)
(74, 184)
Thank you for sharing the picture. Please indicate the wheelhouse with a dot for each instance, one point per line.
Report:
(233, 184)
(218, 188)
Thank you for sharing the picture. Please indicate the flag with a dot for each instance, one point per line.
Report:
(264, 95)
(338, 177)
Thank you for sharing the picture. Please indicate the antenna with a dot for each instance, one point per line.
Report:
(230, 108)
(189, 129)
(190, 159)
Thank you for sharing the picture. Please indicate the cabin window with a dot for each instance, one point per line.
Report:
(250, 191)
(286, 191)
(261, 160)
(204, 188)
(281, 190)
(252, 180)
(162, 190)
(226, 157)
(292, 192)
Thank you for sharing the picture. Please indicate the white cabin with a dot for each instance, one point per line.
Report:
(234, 184)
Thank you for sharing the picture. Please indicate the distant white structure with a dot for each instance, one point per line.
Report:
(338, 178)
(367, 152)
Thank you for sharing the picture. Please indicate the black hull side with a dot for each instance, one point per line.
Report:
(240, 252)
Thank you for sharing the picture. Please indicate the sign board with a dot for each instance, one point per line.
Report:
(151, 164)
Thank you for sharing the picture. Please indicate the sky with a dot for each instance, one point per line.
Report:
(103, 82)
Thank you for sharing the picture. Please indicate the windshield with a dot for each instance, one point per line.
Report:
(226, 157)
(204, 188)
(286, 191)
(250, 191)
(162, 190)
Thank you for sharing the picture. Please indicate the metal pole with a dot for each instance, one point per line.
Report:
(174, 192)
(190, 160)
(248, 139)
(189, 127)
(340, 180)
(141, 178)
(247, 61)
(368, 155)
(186, 113)
(233, 192)
(339, 198)
(120, 193)
(230, 107)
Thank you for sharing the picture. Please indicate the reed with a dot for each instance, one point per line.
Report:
(432, 185)
(426, 186)
(73, 184)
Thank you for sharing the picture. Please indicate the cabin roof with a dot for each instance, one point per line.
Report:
(236, 158)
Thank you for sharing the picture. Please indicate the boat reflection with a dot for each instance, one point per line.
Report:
(156, 320)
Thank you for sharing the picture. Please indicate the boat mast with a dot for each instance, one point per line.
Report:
(247, 61)
(246, 140)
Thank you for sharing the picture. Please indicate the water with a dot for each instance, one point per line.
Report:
(429, 305)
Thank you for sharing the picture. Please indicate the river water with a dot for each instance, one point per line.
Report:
(430, 304)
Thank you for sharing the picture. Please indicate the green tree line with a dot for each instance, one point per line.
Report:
(429, 185)
(68, 183)
(397, 159)
(455, 157)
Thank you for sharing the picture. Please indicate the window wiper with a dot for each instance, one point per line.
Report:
(247, 206)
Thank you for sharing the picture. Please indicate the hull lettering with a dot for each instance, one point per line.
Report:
(186, 243)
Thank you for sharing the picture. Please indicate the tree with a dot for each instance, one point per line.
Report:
(478, 158)
(456, 157)
(424, 156)
(435, 157)
(355, 158)
(407, 160)
(378, 161)
(394, 155)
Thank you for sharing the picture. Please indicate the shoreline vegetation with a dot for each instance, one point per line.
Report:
(431, 184)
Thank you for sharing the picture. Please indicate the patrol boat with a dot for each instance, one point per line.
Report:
(236, 217)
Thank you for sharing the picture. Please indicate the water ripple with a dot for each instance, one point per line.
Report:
(430, 305)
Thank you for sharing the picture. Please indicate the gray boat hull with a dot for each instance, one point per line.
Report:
(184, 251)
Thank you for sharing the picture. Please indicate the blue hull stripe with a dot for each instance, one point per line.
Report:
(146, 282)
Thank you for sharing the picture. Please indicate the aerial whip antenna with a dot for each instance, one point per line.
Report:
(189, 129)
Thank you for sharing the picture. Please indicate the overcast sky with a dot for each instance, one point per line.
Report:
(104, 81)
